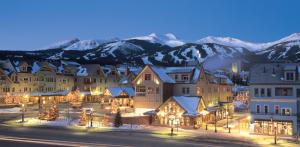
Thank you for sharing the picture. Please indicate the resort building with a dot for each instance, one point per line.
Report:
(274, 103)
(181, 111)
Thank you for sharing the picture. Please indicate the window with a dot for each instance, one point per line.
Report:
(256, 92)
(147, 76)
(289, 76)
(187, 90)
(183, 90)
(298, 92)
(157, 90)
(176, 77)
(140, 90)
(184, 77)
(286, 111)
(262, 92)
(150, 90)
(266, 109)
(257, 109)
(283, 91)
(276, 109)
(269, 92)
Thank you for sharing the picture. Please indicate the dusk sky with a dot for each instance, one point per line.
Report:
(33, 24)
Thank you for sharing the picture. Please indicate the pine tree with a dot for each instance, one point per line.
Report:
(118, 119)
(53, 114)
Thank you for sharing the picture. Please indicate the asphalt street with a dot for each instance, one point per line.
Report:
(24, 136)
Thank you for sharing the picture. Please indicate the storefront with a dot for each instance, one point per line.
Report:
(180, 111)
(119, 98)
(283, 128)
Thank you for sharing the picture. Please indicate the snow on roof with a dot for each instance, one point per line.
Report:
(70, 63)
(60, 69)
(116, 91)
(161, 72)
(189, 104)
(57, 93)
(82, 71)
(179, 69)
(196, 75)
(129, 91)
(35, 67)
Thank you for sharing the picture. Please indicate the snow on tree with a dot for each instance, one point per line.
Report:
(83, 118)
(53, 114)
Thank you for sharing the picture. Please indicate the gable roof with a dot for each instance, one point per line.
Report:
(189, 104)
(116, 91)
(161, 73)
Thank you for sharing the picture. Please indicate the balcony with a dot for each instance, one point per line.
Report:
(272, 114)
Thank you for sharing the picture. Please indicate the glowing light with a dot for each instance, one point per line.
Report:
(139, 81)
(204, 112)
(156, 81)
(26, 96)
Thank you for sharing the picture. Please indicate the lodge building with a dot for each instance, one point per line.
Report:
(194, 94)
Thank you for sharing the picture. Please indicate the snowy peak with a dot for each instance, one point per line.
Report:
(61, 44)
(228, 41)
(88, 44)
(232, 42)
(292, 37)
(166, 39)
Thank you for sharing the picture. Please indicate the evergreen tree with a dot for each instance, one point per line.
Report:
(118, 119)
(53, 114)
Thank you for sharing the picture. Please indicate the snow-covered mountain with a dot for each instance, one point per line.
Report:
(166, 49)
(166, 39)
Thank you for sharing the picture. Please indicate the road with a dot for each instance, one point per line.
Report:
(24, 136)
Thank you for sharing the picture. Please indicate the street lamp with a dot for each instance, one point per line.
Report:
(91, 116)
(23, 111)
(215, 121)
(275, 130)
(172, 119)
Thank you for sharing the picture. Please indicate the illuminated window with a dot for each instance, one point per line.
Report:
(147, 76)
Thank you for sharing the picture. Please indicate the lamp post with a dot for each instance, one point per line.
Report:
(275, 130)
(227, 114)
(23, 111)
(91, 117)
(215, 121)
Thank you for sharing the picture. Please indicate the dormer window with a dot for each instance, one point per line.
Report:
(290, 76)
(185, 77)
(24, 68)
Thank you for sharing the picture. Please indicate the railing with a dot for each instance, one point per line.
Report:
(279, 114)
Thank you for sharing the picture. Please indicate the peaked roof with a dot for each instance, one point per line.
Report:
(116, 91)
(189, 104)
(161, 73)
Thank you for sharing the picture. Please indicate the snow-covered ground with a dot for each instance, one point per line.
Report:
(63, 122)
(10, 110)
(137, 112)
(59, 122)
(239, 105)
